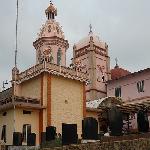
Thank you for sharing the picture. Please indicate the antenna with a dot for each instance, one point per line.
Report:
(16, 50)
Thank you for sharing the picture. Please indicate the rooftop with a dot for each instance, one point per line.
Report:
(131, 74)
(86, 41)
(118, 72)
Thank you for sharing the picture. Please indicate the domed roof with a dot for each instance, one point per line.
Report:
(51, 29)
(86, 41)
(118, 72)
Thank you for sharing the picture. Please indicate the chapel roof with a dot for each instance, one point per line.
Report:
(91, 37)
(118, 72)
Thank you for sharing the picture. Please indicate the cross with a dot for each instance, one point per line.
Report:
(116, 60)
(90, 28)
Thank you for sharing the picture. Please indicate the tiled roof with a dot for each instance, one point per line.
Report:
(118, 72)
(115, 74)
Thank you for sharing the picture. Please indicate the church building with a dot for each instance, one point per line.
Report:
(91, 55)
(47, 94)
(50, 93)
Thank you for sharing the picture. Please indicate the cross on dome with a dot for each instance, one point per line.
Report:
(90, 29)
(116, 60)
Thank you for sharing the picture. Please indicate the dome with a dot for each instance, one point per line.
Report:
(51, 29)
(118, 72)
(86, 41)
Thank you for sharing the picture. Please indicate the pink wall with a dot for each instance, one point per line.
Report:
(128, 85)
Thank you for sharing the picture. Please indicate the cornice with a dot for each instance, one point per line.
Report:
(52, 69)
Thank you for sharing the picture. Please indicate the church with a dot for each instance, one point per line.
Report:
(50, 93)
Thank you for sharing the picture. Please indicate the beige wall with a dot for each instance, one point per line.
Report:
(33, 119)
(20, 120)
(66, 102)
(8, 121)
(31, 88)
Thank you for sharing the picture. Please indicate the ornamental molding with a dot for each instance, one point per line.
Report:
(52, 69)
(49, 41)
(84, 50)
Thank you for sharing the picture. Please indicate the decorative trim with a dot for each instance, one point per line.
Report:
(93, 109)
(51, 41)
(42, 83)
(52, 69)
(40, 124)
(41, 111)
(139, 99)
(96, 90)
(48, 99)
(84, 101)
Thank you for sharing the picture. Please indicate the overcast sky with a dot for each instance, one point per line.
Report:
(123, 24)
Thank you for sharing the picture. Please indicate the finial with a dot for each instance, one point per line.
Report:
(51, 2)
(116, 60)
(90, 28)
(51, 11)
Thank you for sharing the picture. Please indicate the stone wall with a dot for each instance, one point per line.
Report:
(22, 148)
(136, 144)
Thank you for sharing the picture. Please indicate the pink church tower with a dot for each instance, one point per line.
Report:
(92, 55)
(51, 45)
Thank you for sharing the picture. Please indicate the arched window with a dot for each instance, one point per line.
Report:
(59, 53)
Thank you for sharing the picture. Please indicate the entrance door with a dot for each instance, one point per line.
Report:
(26, 131)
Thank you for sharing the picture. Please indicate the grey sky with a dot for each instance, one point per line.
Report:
(124, 25)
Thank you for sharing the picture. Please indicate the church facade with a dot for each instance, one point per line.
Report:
(47, 94)
(50, 93)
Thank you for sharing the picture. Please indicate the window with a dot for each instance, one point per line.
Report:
(3, 135)
(26, 131)
(5, 113)
(103, 78)
(118, 91)
(59, 53)
(49, 28)
(26, 112)
(140, 86)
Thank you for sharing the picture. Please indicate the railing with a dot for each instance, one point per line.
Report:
(6, 94)
(54, 69)
(6, 101)
(26, 100)
(19, 100)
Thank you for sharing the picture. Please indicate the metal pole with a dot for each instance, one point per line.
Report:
(16, 50)
(16, 35)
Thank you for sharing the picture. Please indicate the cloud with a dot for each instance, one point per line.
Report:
(124, 25)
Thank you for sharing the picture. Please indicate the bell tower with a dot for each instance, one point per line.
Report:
(92, 55)
(51, 45)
